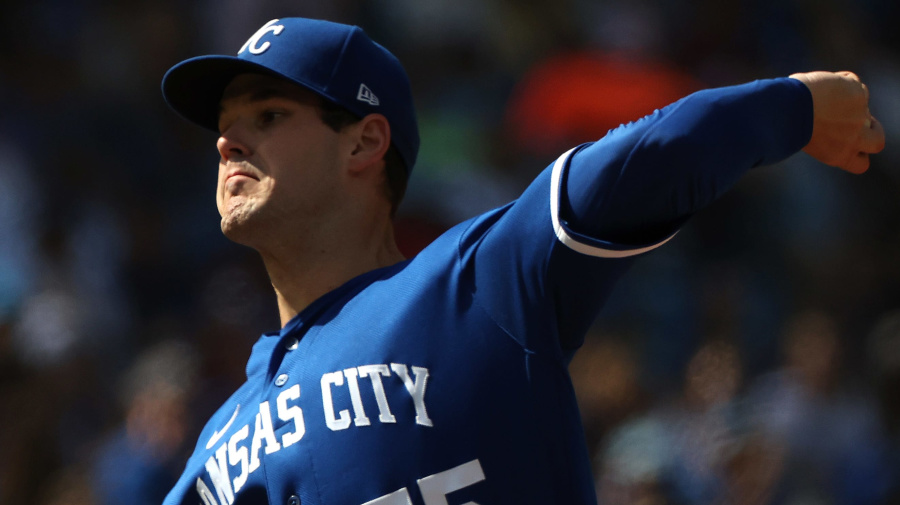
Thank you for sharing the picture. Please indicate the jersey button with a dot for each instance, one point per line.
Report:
(291, 344)
(281, 379)
(293, 500)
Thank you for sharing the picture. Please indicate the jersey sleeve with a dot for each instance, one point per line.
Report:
(643, 180)
(543, 268)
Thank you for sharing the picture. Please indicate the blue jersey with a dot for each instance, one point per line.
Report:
(443, 379)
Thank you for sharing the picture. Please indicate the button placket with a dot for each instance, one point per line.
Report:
(289, 345)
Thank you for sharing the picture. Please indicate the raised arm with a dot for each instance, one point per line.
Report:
(643, 180)
(558, 251)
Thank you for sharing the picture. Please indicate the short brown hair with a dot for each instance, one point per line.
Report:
(337, 118)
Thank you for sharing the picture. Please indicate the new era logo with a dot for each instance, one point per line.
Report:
(365, 95)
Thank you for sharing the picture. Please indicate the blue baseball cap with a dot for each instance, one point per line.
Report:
(339, 62)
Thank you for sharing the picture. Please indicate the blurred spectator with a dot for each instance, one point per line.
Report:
(606, 377)
(141, 460)
(631, 467)
(883, 351)
(706, 423)
(828, 426)
(679, 453)
(752, 472)
(69, 486)
(20, 205)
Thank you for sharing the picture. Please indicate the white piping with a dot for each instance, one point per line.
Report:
(571, 242)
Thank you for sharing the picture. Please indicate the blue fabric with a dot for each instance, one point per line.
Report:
(339, 62)
(481, 325)
(643, 180)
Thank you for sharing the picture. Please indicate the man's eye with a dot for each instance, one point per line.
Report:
(269, 116)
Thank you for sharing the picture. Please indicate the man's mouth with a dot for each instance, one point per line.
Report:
(240, 176)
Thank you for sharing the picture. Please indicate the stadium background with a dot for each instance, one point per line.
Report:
(755, 359)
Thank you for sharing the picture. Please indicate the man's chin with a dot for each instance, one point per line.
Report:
(238, 218)
(238, 229)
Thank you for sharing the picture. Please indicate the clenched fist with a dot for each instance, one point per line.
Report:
(844, 131)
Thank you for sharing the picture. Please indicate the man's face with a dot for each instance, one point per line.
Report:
(279, 165)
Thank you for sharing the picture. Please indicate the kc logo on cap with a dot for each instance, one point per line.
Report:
(336, 61)
(253, 42)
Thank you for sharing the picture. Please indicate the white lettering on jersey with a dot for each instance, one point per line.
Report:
(416, 389)
(435, 488)
(374, 372)
(336, 378)
(205, 494)
(217, 468)
(237, 455)
(234, 456)
(398, 497)
(294, 413)
(262, 431)
(359, 413)
(253, 42)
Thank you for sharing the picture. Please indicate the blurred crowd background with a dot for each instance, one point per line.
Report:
(754, 360)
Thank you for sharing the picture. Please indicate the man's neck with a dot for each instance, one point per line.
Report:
(300, 279)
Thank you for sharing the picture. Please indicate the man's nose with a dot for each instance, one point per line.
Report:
(231, 145)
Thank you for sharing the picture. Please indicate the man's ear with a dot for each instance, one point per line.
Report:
(372, 138)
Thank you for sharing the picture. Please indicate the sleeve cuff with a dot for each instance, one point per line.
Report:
(582, 243)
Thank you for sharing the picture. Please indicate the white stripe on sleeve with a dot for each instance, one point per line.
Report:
(570, 241)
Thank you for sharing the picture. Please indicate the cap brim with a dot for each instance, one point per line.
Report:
(194, 87)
